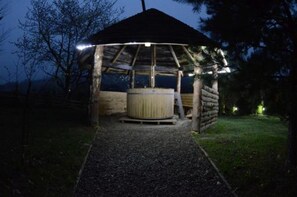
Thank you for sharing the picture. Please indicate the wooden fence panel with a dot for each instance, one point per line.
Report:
(112, 102)
(187, 100)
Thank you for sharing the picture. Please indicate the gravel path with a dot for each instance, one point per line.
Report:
(147, 160)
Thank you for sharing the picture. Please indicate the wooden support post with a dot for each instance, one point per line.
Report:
(116, 57)
(178, 83)
(132, 79)
(197, 86)
(95, 86)
(196, 112)
(153, 67)
(180, 105)
(179, 73)
(132, 73)
(215, 77)
(152, 77)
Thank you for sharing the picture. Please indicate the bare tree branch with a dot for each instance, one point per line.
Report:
(53, 28)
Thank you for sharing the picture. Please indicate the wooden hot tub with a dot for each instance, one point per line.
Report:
(150, 103)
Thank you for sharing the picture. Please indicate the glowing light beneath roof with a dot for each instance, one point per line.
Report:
(147, 44)
(226, 70)
(82, 47)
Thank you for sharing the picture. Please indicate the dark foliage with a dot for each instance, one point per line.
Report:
(261, 37)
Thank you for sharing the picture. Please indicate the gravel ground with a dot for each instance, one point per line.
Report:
(147, 160)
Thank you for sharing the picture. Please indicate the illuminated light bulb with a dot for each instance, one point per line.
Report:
(82, 47)
(147, 44)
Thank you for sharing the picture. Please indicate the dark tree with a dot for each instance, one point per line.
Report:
(263, 34)
(53, 28)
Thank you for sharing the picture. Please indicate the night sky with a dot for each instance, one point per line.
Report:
(16, 9)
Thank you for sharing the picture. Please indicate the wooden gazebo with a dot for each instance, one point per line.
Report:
(150, 43)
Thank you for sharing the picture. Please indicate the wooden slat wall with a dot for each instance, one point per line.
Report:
(112, 102)
(210, 107)
(187, 100)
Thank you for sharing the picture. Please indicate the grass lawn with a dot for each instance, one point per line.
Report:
(251, 154)
(58, 140)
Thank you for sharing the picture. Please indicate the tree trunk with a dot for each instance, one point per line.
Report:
(292, 138)
(292, 134)
(95, 86)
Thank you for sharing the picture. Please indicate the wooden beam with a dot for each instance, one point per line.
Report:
(118, 54)
(189, 55)
(165, 74)
(141, 68)
(194, 61)
(145, 73)
(210, 105)
(209, 94)
(117, 66)
(95, 86)
(174, 56)
(179, 73)
(210, 100)
(210, 90)
(136, 55)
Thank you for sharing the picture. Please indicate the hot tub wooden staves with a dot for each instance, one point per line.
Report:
(150, 103)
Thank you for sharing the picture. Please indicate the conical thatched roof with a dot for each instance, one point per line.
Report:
(150, 26)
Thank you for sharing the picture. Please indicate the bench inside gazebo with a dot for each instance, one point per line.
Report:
(152, 44)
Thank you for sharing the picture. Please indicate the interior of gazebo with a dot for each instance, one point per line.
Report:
(154, 44)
